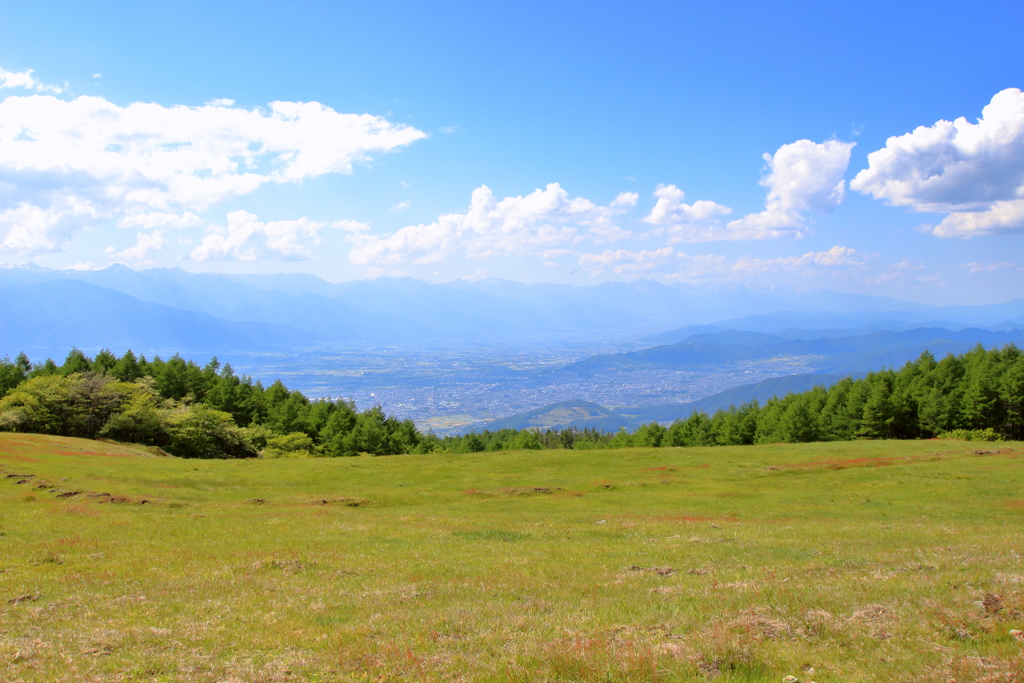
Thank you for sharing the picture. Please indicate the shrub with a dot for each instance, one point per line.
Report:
(294, 445)
(988, 434)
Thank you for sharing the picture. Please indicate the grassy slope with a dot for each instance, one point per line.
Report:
(746, 563)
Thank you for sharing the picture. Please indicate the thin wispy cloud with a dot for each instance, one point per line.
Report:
(975, 267)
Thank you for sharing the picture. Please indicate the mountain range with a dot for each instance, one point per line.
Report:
(853, 353)
(205, 312)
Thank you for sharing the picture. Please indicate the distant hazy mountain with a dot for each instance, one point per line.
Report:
(846, 322)
(388, 311)
(840, 354)
(53, 316)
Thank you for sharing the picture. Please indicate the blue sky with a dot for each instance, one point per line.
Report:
(432, 134)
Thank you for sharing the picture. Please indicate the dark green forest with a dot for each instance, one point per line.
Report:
(210, 412)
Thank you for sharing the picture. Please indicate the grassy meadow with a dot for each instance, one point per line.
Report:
(847, 561)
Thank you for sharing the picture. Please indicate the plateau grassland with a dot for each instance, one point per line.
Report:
(842, 561)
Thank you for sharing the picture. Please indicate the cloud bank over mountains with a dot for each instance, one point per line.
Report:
(65, 164)
(70, 164)
(536, 224)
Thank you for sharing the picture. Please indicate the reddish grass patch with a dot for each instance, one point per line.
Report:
(19, 458)
(663, 468)
(1015, 503)
(77, 454)
(852, 462)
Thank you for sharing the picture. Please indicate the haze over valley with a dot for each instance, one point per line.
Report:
(455, 356)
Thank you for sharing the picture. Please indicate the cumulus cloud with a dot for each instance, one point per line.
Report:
(973, 171)
(247, 238)
(625, 262)
(87, 159)
(708, 266)
(25, 79)
(144, 243)
(697, 222)
(539, 222)
(26, 228)
(1000, 217)
(626, 200)
(803, 176)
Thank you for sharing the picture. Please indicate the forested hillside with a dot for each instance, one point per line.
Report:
(210, 412)
(979, 394)
(191, 411)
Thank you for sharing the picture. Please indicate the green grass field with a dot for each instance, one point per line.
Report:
(859, 561)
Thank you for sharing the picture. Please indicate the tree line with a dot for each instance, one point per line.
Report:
(978, 394)
(210, 412)
(189, 410)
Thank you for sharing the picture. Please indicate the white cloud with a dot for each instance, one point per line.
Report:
(25, 79)
(697, 222)
(247, 238)
(975, 267)
(626, 200)
(804, 176)
(26, 228)
(84, 265)
(1001, 217)
(401, 206)
(111, 161)
(539, 222)
(350, 226)
(477, 276)
(158, 219)
(625, 262)
(144, 243)
(974, 171)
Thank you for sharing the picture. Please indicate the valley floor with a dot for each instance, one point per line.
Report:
(855, 561)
